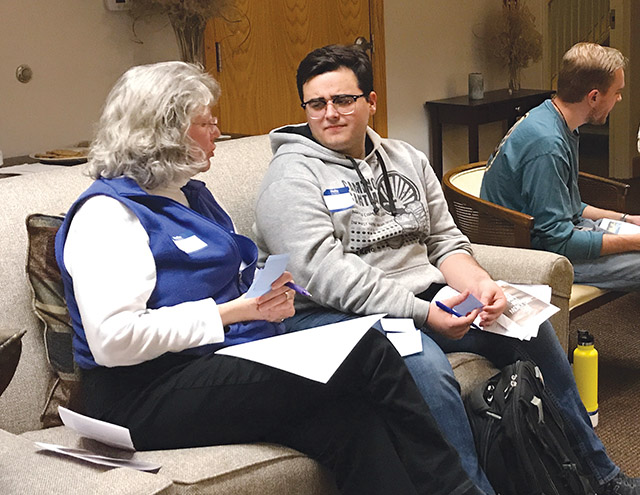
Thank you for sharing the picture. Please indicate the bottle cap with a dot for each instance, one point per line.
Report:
(585, 338)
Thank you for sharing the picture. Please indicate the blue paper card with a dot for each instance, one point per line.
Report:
(273, 268)
(468, 305)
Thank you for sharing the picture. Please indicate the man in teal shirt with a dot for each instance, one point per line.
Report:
(534, 170)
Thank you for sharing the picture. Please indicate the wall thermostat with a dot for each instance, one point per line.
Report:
(117, 4)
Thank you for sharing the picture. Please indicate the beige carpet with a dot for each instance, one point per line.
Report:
(616, 328)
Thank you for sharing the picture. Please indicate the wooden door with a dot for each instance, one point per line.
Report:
(255, 51)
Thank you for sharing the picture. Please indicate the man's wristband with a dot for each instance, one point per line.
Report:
(623, 218)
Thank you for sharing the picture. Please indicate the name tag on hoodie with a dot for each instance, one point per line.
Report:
(188, 243)
(338, 199)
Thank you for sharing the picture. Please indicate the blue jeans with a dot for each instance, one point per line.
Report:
(433, 374)
(612, 272)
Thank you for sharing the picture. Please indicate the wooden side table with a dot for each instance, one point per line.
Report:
(495, 106)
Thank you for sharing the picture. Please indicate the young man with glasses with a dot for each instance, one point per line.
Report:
(368, 231)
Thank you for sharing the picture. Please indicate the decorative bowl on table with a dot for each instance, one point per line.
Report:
(64, 156)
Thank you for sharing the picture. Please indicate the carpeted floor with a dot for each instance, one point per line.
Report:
(616, 328)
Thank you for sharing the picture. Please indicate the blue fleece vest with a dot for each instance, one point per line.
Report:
(211, 271)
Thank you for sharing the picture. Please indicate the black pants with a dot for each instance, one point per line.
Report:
(369, 425)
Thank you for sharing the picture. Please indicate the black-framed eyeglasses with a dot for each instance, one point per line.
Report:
(344, 105)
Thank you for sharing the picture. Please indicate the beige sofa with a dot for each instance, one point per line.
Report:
(238, 469)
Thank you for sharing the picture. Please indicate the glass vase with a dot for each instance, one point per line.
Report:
(514, 79)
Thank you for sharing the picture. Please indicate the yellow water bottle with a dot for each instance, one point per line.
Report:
(585, 370)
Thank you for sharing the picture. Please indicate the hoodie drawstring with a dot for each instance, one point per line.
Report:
(365, 185)
(387, 184)
(367, 189)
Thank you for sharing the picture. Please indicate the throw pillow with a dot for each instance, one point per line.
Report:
(50, 306)
(10, 349)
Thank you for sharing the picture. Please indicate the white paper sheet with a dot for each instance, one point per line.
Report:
(403, 334)
(315, 353)
(397, 325)
(273, 268)
(526, 327)
(617, 227)
(102, 460)
(406, 343)
(107, 433)
(542, 292)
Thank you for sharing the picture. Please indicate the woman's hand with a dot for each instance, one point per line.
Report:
(451, 326)
(275, 305)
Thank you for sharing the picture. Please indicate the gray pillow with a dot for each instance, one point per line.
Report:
(50, 307)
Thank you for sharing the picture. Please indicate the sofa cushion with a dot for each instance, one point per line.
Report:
(471, 370)
(24, 468)
(10, 349)
(256, 469)
(50, 307)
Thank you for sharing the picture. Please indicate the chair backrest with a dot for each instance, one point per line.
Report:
(484, 222)
(469, 179)
(481, 221)
(602, 192)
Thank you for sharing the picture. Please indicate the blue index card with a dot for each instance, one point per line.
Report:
(273, 268)
(468, 305)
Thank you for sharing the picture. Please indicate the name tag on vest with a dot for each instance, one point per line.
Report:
(338, 199)
(188, 243)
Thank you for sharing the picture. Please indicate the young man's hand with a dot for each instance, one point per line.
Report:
(451, 326)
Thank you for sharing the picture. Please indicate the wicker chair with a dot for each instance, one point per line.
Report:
(487, 223)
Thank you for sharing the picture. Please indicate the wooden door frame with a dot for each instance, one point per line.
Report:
(377, 38)
(376, 23)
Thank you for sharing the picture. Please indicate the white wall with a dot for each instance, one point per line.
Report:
(76, 50)
(431, 47)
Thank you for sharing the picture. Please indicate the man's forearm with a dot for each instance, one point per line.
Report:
(593, 213)
(462, 271)
(614, 244)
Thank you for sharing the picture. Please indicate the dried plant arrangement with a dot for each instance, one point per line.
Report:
(515, 41)
(188, 19)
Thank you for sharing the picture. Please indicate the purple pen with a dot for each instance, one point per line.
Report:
(300, 290)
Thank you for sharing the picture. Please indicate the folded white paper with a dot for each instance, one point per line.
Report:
(315, 353)
(403, 334)
(107, 433)
(102, 460)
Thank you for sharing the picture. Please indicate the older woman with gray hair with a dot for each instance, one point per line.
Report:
(154, 277)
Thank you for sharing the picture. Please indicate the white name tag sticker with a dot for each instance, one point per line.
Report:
(338, 198)
(189, 244)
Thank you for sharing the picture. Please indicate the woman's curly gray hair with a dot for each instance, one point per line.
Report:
(142, 133)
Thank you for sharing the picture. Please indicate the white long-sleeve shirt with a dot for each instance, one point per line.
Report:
(108, 256)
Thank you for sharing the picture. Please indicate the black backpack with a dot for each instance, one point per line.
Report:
(520, 438)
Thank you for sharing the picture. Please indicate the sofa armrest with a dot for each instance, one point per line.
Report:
(528, 266)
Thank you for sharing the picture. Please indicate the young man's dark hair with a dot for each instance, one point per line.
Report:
(332, 57)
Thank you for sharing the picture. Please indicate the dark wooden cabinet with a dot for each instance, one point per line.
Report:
(495, 106)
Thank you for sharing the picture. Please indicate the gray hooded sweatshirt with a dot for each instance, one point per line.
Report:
(364, 236)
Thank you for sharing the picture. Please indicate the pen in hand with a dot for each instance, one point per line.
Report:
(451, 311)
(300, 290)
